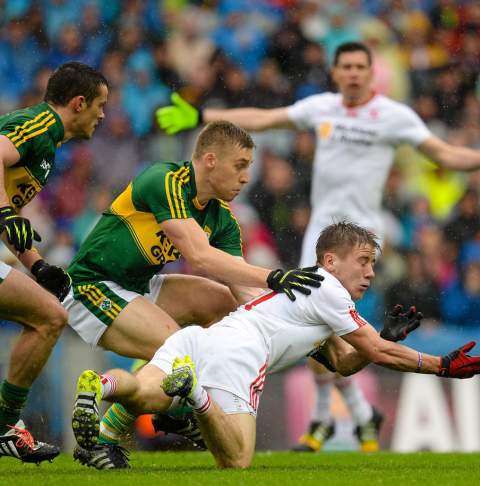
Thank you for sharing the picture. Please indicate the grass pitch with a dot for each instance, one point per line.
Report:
(276, 468)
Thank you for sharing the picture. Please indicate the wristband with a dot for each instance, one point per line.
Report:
(419, 363)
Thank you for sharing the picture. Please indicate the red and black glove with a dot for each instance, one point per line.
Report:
(398, 324)
(458, 364)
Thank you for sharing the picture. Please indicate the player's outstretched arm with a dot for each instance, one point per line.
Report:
(181, 115)
(450, 156)
(189, 238)
(338, 355)
(457, 364)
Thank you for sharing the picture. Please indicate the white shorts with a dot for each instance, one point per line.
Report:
(4, 271)
(93, 307)
(226, 359)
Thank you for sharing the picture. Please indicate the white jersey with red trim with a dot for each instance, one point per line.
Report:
(354, 153)
(290, 330)
(263, 336)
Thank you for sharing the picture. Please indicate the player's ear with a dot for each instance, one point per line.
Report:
(78, 103)
(210, 160)
(329, 260)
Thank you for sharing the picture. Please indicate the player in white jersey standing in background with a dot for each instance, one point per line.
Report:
(357, 131)
(221, 371)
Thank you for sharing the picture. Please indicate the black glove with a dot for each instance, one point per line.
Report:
(20, 233)
(55, 279)
(459, 364)
(319, 357)
(281, 281)
(398, 325)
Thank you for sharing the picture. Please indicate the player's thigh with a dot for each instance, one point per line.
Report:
(23, 300)
(138, 330)
(150, 396)
(191, 299)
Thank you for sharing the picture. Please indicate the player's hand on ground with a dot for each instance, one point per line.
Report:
(19, 231)
(298, 279)
(55, 279)
(398, 324)
(179, 116)
(458, 364)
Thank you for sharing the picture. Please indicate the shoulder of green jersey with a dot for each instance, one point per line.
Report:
(31, 128)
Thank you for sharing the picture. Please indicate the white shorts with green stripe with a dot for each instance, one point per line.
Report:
(4, 271)
(94, 306)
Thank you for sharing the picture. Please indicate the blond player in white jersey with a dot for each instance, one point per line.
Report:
(221, 370)
(357, 131)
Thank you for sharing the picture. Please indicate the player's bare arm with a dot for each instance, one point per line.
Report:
(343, 357)
(371, 346)
(189, 238)
(251, 118)
(450, 156)
(181, 115)
(9, 156)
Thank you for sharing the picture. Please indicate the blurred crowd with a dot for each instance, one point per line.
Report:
(265, 53)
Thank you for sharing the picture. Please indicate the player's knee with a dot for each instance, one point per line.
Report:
(239, 462)
(220, 304)
(57, 319)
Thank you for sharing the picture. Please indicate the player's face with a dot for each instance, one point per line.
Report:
(353, 76)
(91, 115)
(355, 269)
(231, 172)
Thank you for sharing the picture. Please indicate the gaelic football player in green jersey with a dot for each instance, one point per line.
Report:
(72, 107)
(119, 300)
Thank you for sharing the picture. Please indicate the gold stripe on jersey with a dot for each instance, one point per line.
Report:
(154, 245)
(31, 127)
(173, 190)
(96, 297)
(44, 124)
(20, 128)
(21, 185)
(226, 206)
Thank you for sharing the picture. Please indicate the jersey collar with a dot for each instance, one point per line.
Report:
(352, 106)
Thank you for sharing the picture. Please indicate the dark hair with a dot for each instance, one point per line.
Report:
(73, 79)
(221, 134)
(352, 47)
(342, 237)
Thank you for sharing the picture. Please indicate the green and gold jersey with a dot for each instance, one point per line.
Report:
(36, 132)
(128, 245)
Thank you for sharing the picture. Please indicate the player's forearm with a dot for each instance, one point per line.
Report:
(229, 269)
(28, 258)
(247, 118)
(351, 363)
(4, 200)
(343, 357)
(461, 158)
(402, 358)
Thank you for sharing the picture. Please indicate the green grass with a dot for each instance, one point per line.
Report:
(276, 468)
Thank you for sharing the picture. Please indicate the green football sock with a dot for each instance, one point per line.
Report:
(115, 423)
(12, 401)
